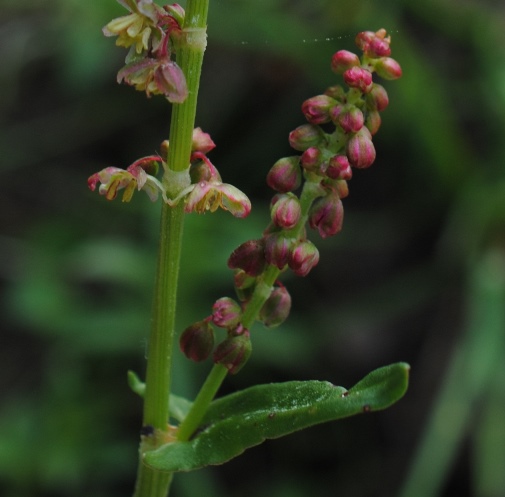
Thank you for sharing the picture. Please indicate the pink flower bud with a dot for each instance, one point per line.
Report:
(276, 309)
(388, 68)
(226, 313)
(202, 142)
(244, 285)
(378, 47)
(311, 159)
(363, 39)
(285, 175)
(360, 150)
(303, 258)
(339, 168)
(373, 121)
(327, 215)
(170, 81)
(316, 109)
(286, 211)
(250, 257)
(277, 248)
(377, 98)
(197, 341)
(349, 118)
(305, 136)
(234, 352)
(357, 77)
(343, 60)
(336, 92)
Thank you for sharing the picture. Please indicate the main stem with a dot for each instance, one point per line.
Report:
(152, 483)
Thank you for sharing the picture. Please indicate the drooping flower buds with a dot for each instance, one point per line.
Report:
(285, 175)
(226, 313)
(197, 341)
(339, 168)
(348, 117)
(317, 109)
(276, 309)
(277, 249)
(327, 215)
(357, 77)
(234, 351)
(360, 149)
(305, 136)
(250, 257)
(388, 68)
(343, 60)
(303, 258)
(286, 211)
(311, 159)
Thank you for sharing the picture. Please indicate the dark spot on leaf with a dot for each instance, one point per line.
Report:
(271, 415)
(366, 408)
(345, 394)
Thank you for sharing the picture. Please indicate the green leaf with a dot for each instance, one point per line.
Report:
(246, 418)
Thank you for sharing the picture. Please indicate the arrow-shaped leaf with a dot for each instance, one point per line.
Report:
(246, 418)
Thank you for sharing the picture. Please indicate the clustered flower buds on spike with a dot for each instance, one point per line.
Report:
(197, 341)
(150, 32)
(326, 162)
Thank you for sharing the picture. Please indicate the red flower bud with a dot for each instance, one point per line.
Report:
(373, 121)
(226, 313)
(276, 309)
(377, 98)
(234, 352)
(286, 211)
(316, 109)
(277, 248)
(336, 92)
(360, 78)
(343, 60)
(306, 136)
(349, 118)
(285, 175)
(327, 215)
(311, 159)
(363, 39)
(360, 149)
(197, 341)
(202, 142)
(303, 258)
(250, 257)
(388, 68)
(339, 168)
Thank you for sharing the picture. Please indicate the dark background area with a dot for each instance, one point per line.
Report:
(416, 275)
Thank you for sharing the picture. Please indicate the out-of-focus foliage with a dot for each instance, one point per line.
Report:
(399, 283)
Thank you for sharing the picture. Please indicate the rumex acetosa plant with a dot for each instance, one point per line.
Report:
(166, 46)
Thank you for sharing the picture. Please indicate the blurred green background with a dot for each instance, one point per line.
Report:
(418, 273)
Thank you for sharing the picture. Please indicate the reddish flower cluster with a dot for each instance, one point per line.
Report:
(150, 32)
(326, 164)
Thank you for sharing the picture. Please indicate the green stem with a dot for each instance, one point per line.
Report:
(189, 54)
(204, 398)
